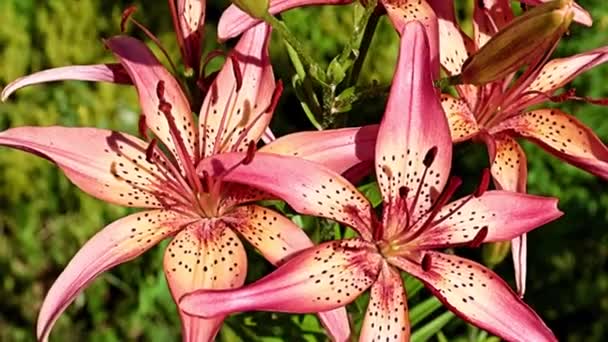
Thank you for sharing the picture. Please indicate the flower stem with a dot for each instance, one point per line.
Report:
(308, 62)
(366, 40)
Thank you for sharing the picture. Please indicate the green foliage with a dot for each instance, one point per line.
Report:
(44, 219)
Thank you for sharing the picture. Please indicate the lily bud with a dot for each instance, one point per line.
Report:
(494, 253)
(255, 8)
(526, 39)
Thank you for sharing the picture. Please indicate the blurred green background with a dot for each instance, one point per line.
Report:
(44, 219)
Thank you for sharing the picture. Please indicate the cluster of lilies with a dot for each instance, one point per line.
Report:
(198, 178)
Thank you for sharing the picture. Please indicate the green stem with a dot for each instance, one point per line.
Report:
(368, 35)
(306, 59)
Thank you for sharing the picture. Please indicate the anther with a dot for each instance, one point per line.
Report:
(479, 237)
(403, 192)
(483, 184)
(126, 15)
(160, 90)
(142, 127)
(250, 153)
(429, 158)
(237, 72)
(150, 151)
(278, 90)
(426, 262)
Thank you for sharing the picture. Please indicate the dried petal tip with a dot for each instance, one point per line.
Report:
(524, 41)
(257, 9)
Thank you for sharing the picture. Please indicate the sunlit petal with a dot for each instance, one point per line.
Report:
(234, 21)
(189, 20)
(479, 296)
(147, 74)
(321, 278)
(564, 136)
(117, 243)
(113, 73)
(557, 72)
(453, 43)
(237, 109)
(109, 165)
(277, 238)
(413, 125)
(401, 12)
(386, 318)
(497, 215)
(308, 187)
(204, 257)
(509, 168)
(462, 123)
(337, 149)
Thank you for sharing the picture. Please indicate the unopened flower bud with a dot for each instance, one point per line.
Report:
(494, 253)
(255, 8)
(525, 40)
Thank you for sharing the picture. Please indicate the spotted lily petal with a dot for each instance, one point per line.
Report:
(557, 72)
(188, 21)
(113, 73)
(581, 15)
(109, 165)
(413, 125)
(151, 80)
(117, 243)
(494, 216)
(386, 318)
(337, 149)
(234, 21)
(489, 17)
(462, 122)
(321, 278)
(453, 42)
(509, 167)
(278, 238)
(308, 187)
(237, 108)
(481, 297)
(401, 12)
(564, 136)
(206, 255)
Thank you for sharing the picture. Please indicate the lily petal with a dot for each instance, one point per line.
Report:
(234, 194)
(321, 278)
(413, 125)
(337, 149)
(278, 238)
(581, 15)
(233, 21)
(563, 136)
(510, 172)
(479, 296)
(109, 165)
(509, 167)
(308, 187)
(204, 257)
(494, 216)
(237, 108)
(454, 45)
(275, 236)
(117, 243)
(401, 12)
(113, 73)
(461, 120)
(148, 74)
(489, 17)
(558, 72)
(386, 318)
(188, 21)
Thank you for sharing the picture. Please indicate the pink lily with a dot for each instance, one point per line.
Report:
(413, 156)
(202, 215)
(497, 112)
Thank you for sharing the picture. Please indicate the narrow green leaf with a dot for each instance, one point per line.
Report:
(430, 329)
(423, 310)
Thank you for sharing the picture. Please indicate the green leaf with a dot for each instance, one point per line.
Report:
(428, 330)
